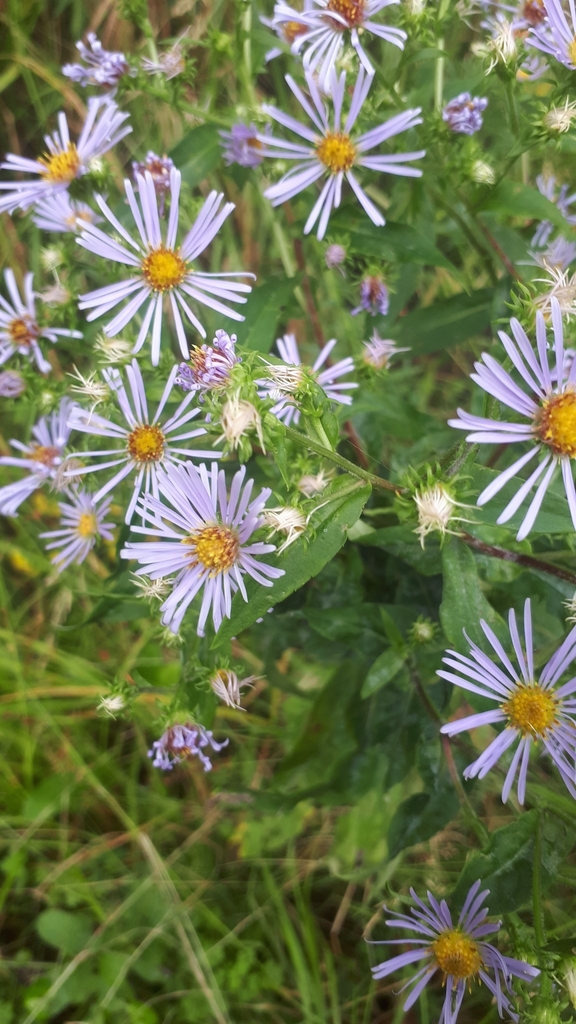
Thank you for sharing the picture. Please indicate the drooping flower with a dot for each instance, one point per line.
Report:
(41, 458)
(547, 185)
(180, 742)
(101, 67)
(19, 327)
(160, 268)
(228, 687)
(144, 444)
(282, 387)
(210, 365)
(379, 351)
(532, 705)
(159, 167)
(203, 535)
(458, 950)
(330, 151)
(550, 413)
(82, 523)
(374, 297)
(62, 214)
(12, 384)
(436, 511)
(64, 160)
(328, 23)
(556, 35)
(463, 114)
(242, 146)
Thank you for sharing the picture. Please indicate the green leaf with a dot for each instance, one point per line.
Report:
(302, 560)
(402, 542)
(463, 603)
(198, 153)
(554, 516)
(67, 932)
(517, 200)
(384, 669)
(447, 322)
(398, 243)
(263, 311)
(420, 817)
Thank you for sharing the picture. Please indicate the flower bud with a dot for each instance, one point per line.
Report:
(482, 173)
(334, 256)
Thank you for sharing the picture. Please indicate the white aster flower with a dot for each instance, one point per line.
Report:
(314, 483)
(19, 328)
(556, 35)
(145, 444)
(237, 418)
(65, 160)
(160, 268)
(436, 511)
(379, 351)
(286, 519)
(327, 23)
(228, 687)
(82, 523)
(198, 531)
(532, 705)
(330, 151)
(41, 458)
(283, 382)
(62, 214)
(549, 415)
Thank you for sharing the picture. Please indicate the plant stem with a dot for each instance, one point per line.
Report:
(514, 121)
(515, 556)
(537, 909)
(306, 442)
(439, 78)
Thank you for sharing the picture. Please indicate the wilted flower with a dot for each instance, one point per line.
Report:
(90, 387)
(562, 287)
(570, 980)
(113, 350)
(482, 173)
(532, 706)
(334, 256)
(559, 119)
(56, 295)
(82, 523)
(101, 67)
(374, 297)
(286, 519)
(159, 169)
(282, 382)
(436, 508)
(570, 607)
(182, 741)
(152, 590)
(458, 951)
(12, 384)
(210, 365)
(228, 687)
(237, 418)
(379, 351)
(502, 44)
(111, 705)
(52, 257)
(242, 145)
(463, 114)
(312, 484)
(170, 63)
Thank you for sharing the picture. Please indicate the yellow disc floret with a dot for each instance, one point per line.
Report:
(572, 50)
(146, 444)
(457, 954)
(163, 269)
(336, 151)
(531, 709)
(61, 167)
(353, 11)
(291, 30)
(87, 525)
(23, 330)
(215, 547)
(44, 454)
(557, 424)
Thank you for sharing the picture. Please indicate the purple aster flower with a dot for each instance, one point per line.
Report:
(82, 523)
(182, 741)
(62, 214)
(282, 383)
(374, 297)
(19, 328)
(161, 269)
(550, 413)
(210, 365)
(65, 160)
(144, 444)
(555, 34)
(561, 199)
(329, 150)
(457, 950)
(379, 351)
(534, 708)
(464, 113)
(327, 24)
(242, 146)
(12, 384)
(101, 67)
(160, 168)
(198, 531)
(41, 458)
(558, 254)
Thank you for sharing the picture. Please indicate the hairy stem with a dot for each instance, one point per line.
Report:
(326, 453)
(515, 556)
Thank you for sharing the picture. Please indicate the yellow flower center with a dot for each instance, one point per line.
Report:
(87, 525)
(292, 29)
(531, 709)
(557, 423)
(534, 11)
(572, 51)
(216, 547)
(61, 167)
(146, 444)
(457, 954)
(23, 330)
(163, 269)
(352, 10)
(336, 151)
(44, 454)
